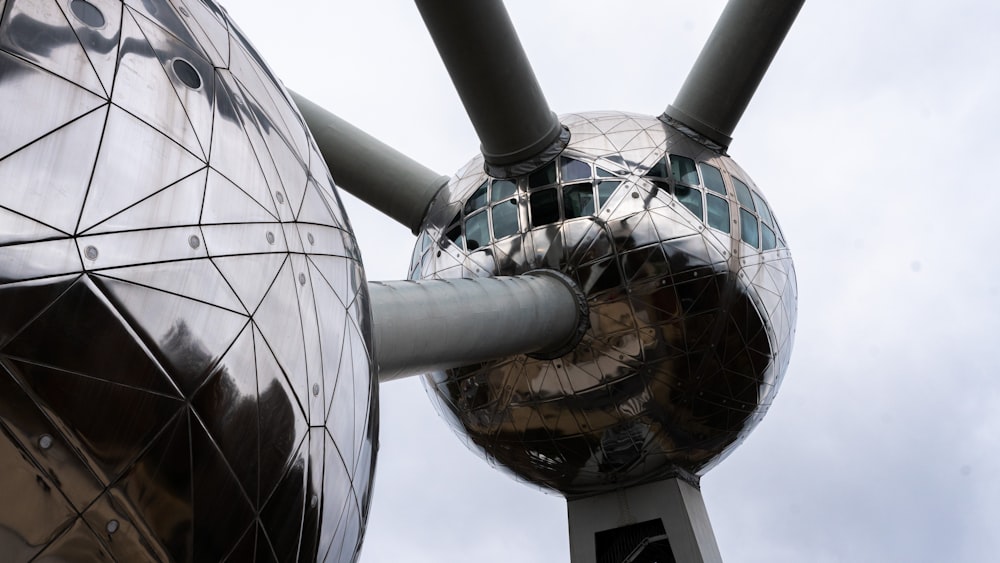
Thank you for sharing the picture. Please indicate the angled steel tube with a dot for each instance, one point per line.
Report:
(731, 66)
(480, 49)
(429, 325)
(376, 173)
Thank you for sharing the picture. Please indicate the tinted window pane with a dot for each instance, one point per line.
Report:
(659, 170)
(544, 207)
(713, 178)
(691, 198)
(477, 231)
(768, 240)
(684, 170)
(574, 170)
(602, 173)
(748, 228)
(478, 199)
(543, 177)
(604, 191)
(505, 222)
(765, 213)
(718, 213)
(743, 194)
(455, 235)
(502, 189)
(578, 200)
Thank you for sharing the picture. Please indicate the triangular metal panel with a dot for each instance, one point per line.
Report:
(48, 179)
(134, 162)
(176, 205)
(188, 337)
(63, 101)
(22, 30)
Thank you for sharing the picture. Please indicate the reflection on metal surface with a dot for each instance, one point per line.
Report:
(185, 367)
(692, 315)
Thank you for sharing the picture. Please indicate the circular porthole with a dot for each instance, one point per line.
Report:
(87, 13)
(187, 74)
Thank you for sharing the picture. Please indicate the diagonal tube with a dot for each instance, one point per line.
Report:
(430, 325)
(731, 66)
(374, 172)
(479, 47)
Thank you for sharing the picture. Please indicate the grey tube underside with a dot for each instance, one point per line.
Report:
(372, 171)
(479, 47)
(429, 325)
(731, 66)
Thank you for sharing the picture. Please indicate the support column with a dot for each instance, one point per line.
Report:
(731, 66)
(429, 325)
(665, 521)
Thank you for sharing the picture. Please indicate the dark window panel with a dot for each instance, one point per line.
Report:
(478, 199)
(602, 173)
(691, 198)
(578, 200)
(502, 189)
(743, 194)
(543, 177)
(574, 169)
(604, 191)
(477, 230)
(505, 219)
(455, 235)
(768, 240)
(748, 228)
(660, 169)
(718, 213)
(763, 210)
(684, 170)
(544, 207)
(713, 178)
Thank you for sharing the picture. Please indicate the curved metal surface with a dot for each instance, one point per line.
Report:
(417, 329)
(692, 300)
(185, 368)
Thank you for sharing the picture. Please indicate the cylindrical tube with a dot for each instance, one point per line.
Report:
(480, 49)
(376, 173)
(731, 66)
(427, 325)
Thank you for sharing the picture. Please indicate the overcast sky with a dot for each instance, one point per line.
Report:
(873, 137)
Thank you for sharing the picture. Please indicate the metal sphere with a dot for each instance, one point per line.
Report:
(185, 368)
(692, 300)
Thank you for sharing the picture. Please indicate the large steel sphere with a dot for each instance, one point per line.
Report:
(692, 302)
(185, 367)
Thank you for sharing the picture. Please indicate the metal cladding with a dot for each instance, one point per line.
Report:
(692, 298)
(185, 368)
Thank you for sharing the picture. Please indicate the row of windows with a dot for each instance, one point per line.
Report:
(568, 188)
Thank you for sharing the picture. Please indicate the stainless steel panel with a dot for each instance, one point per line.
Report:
(38, 32)
(140, 240)
(53, 103)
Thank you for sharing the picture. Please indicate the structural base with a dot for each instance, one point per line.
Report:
(660, 522)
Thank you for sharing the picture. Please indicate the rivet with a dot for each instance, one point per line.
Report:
(310, 238)
(280, 197)
(194, 241)
(315, 389)
(90, 252)
(45, 442)
(302, 279)
(270, 237)
(112, 526)
(314, 501)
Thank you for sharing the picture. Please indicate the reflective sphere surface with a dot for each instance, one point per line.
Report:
(184, 327)
(692, 300)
